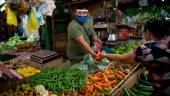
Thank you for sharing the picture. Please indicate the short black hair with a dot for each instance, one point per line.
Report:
(159, 27)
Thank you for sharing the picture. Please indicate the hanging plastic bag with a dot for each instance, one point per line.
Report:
(40, 17)
(32, 25)
(2, 5)
(11, 16)
(47, 7)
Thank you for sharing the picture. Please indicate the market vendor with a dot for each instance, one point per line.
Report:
(80, 35)
(154, 55)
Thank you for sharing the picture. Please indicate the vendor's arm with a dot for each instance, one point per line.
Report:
(95, 38)
(80, 39)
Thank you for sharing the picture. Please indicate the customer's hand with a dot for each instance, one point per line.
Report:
(103, 54)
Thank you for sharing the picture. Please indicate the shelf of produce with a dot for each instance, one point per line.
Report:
(128, 82)
(100, 26)
(16, 71)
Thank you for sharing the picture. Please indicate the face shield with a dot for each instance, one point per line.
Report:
(82, 15)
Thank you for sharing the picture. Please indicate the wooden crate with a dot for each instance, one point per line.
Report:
(128, 82)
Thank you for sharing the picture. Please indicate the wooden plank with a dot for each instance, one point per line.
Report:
(75, 2)
(129, 82)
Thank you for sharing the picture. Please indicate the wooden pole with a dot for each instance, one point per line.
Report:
(117, 12)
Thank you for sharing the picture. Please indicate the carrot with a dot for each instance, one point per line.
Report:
(98, 74)
(119, 76)
(106, 89)
(89, 88)
(110, 71)
(97, 87)
(62, 94)
(111, 76)
(107, 72)
(95, 78)
(88, 82)
(80, 95)
(67, 94)
(88, 94)
(105, 79)
(101, 95)
(75, 94)
(112, 82)
(121, 73)
(100, 84)
(94, 93)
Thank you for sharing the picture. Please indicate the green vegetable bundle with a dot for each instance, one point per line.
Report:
(9, 45)
(60, 80)
(122, 49)
(89, 65)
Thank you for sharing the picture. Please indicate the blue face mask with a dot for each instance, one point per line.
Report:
(82, 19)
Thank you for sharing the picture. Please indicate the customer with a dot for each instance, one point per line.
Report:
(80, 35)
(155, 55)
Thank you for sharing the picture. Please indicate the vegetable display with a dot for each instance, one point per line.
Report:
(26, 89)
(10, 44)
(142, 88)
(20, 90)
(28, 71)
(102, 82)
(125, 48)
(90, 65)
(60, 80)
(24, 47)
(16, 64)
(141, 15)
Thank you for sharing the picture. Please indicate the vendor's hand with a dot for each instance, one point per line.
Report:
(99, 57)
(97, 43)
(93, 55)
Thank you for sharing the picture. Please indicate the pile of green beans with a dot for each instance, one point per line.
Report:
(61, 80)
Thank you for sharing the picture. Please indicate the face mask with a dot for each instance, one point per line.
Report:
(82, 19)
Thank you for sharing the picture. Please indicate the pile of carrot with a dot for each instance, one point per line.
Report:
(102, 81)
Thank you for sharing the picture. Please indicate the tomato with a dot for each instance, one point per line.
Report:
(67, 94)
(62, 94)
(82, 92)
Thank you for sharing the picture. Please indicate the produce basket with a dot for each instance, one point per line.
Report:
(128, 82)
(26, 47)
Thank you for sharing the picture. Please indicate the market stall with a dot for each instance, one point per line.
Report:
(28, 70)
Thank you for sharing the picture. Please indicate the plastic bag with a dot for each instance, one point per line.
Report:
(40, 17)
(11, 16)
(47, 7)
(32, 25)
(2, 5)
